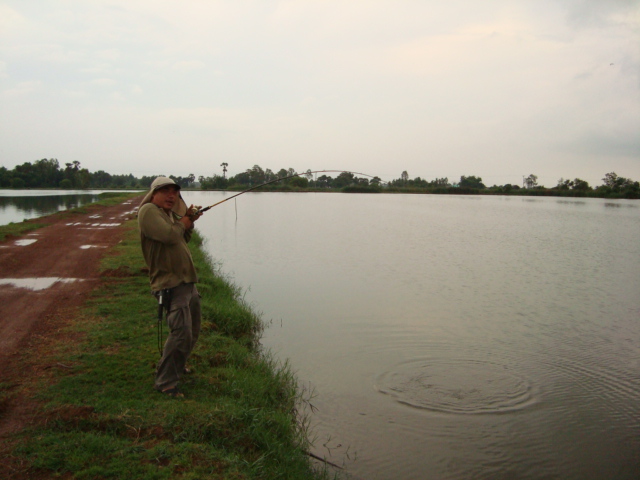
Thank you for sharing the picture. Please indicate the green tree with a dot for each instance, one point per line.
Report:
(217, 182)
(344, 179)
(616, 183)
(5, 177)
(531, 181)
(471, 182)
(256, 175)
(242, 178)
(564, 184)
(47, 172)
(102, 179)
(300, 182)
(440, 182)
(579, 184)
(17, 182)
(324, 181)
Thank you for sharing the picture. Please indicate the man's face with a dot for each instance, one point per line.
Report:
(165, 197)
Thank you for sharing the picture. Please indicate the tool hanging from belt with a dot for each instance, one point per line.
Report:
(164, 303)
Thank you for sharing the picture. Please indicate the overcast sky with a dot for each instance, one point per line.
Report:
(494, 88)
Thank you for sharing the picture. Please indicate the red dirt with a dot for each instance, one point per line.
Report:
(32, 318)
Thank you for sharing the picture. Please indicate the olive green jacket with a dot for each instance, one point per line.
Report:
(164, 246)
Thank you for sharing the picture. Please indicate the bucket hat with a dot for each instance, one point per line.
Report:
(180, 207)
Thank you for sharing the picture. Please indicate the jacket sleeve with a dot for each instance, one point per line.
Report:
(154, 224)
(187, 235)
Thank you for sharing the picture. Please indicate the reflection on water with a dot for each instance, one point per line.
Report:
(18, 205)
(19, 208)
(450, 337)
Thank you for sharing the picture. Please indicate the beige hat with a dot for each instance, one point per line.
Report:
(180, 207)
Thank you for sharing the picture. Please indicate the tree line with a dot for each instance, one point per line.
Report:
(48, 173)
(613, 186)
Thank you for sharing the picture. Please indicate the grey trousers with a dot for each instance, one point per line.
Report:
(184, 328)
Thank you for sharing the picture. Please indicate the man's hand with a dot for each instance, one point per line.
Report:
(191, 217)
(194, 212)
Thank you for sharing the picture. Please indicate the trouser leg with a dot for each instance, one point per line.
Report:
(182, 335)
(194, 309)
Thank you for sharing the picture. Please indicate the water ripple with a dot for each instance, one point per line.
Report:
(463, 386)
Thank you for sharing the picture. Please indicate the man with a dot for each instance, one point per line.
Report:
(165, 229)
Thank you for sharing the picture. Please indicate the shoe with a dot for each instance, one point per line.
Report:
(172, 392)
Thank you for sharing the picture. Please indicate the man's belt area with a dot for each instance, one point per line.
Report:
(164, 300)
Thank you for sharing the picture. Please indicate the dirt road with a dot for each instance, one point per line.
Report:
(44, 276)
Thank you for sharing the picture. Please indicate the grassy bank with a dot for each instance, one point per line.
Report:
(101, 418)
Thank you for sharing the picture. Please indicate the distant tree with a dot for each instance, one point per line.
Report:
(300, 182)
(616, 183)
(17, 182)
(564, 184)
(256, 175)
(471, 182)
(217, 182)
(269, 175)
(404, 176)
(71, 173)
(26, 174)
(5, 177)
(619, 186)
(324, 181)
(83, 178)
(579, 184)
(242, 178)
(531, 181)
(344, 179)
(102, 179)
(611, 180)
(224, 166)
(47, 173)
(440, 182)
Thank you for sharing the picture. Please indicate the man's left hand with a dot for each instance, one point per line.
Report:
(194, 212)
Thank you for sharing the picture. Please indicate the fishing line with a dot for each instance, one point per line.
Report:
(202, 210)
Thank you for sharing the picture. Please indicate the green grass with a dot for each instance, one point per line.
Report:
(102, 419)
(18, 229)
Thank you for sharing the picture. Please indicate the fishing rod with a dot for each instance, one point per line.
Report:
(202, 210)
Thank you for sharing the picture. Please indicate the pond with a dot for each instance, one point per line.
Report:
(19, 205)
(449, 337)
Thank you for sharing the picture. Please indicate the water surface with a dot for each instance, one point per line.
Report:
(450, 337)
(19, 205)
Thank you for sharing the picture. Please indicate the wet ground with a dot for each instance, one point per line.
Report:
(44, 276)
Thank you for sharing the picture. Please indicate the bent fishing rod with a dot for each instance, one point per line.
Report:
(279, 179)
